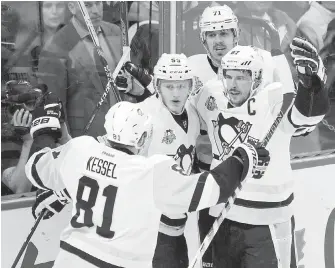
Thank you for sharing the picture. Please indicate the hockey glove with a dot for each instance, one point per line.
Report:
(52, 201)
(308, 63)
(140, 74)
(255, 160)
(47, 116)
(123, 81)
(141, 79)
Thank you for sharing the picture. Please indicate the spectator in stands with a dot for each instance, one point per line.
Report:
(264, 10)
(70, 67)
(13, 178)
(313, 24)
(10, 21)
(23, 62)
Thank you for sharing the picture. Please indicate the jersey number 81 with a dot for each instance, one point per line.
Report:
(86, 205)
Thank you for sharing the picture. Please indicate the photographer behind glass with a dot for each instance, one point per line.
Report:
(18, 100)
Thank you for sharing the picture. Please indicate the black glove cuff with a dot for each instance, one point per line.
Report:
(55, 134)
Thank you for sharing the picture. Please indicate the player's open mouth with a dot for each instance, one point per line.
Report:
(175, 101)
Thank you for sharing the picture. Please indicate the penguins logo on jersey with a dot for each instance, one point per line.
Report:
(169, 136)
(184, 157)
(227, 132)
(211, 103)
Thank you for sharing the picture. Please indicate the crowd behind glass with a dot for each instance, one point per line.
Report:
(44, 45)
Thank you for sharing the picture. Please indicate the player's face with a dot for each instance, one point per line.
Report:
(238, 86)
(174, 94)
(219, 43)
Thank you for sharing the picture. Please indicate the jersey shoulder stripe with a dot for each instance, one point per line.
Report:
(34, 174)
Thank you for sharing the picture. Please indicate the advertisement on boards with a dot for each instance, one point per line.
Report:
(315, 222)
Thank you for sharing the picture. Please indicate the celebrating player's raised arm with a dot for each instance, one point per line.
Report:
(311, 102)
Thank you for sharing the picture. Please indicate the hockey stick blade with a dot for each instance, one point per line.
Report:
(25, 244)
(287, 102)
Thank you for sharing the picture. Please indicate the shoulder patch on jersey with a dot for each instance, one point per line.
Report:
(211, 104)
(169, 136)
(197, 86)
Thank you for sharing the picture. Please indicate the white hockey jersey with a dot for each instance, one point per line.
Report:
(118, 197)
(268, 200)
(174, 136)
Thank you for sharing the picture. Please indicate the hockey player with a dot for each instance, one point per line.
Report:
(118, 193)
(219, 33)
(176, 128)
(258, 231)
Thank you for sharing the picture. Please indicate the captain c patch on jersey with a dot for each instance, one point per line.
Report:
(229, 132)
(169, 136)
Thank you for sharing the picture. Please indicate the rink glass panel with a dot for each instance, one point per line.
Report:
(27, 27)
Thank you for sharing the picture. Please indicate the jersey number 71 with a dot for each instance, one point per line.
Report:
(86, 205)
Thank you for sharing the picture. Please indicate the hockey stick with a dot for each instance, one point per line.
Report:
(124, 25)
(287, 101)
(25, 244)
(110, 82)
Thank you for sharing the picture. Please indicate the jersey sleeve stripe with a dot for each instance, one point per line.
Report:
(85, 256)
(203, 166)
(210, 193)
(67, 193)
(298, 120)
(198, 192)
(173, 222)
(36, 178)
(263, 205)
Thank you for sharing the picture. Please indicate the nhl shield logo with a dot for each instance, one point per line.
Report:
(169, 137)
(211, 103)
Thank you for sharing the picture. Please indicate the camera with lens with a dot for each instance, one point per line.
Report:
(19, 94)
